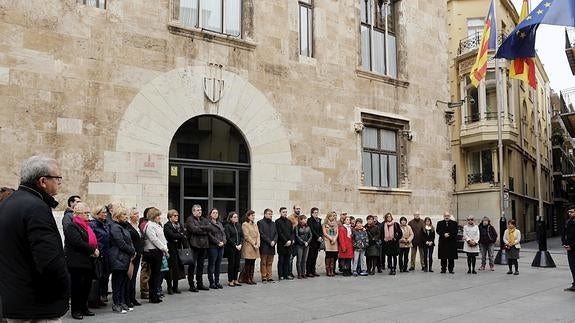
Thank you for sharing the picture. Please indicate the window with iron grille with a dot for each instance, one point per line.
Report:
(378, 36)
(220, 16)
(93, 3)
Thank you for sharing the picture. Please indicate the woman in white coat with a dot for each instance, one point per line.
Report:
(471, 245)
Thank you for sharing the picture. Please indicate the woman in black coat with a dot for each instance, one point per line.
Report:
(176, 237)
(121, 254)
(428, 244)
(138, 244)
(391, 234)
(234, 241)
(81, 247)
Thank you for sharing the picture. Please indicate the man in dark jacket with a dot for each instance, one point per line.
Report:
(416, 225)
(447, 252)
(568, 240)
(69, 212)
(198, 228)
(34, 282)
(285, 242)
(314, 223)
(268, 238)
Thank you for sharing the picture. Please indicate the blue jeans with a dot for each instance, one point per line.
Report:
(486, 249)
(214, 263)
(302, 252)
(120, 282)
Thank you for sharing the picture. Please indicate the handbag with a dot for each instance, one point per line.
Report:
(98, 266)
(165, 266)
(186, 256)
(322, 244)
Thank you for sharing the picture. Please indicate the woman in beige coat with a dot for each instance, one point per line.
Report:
(404, 244)
(250, 248)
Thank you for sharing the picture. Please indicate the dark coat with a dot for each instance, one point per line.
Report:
(76, 247)
(285, 233)
(568, 236)
(197, 230)
(67, 218)
(374, 241)
(428, 236)
(302, 235)
(34, 281)
(137, 240)
(102, 231)
(217, 235)
(121, 247)
(316, 231)
(234, 237)
(268, 233)
(391, 248)
(417, 228)
(176, 238)
(447, 246)
(487, 234)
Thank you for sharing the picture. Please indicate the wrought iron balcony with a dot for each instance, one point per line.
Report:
(472, 42)
(480, 178)
(472, 118)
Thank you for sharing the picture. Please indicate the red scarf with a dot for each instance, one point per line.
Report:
(92, 240)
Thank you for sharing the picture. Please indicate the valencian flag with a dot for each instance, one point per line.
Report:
(521, 42)
(523, 68)
(488, 41)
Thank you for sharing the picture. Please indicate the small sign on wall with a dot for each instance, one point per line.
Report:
(174, 171)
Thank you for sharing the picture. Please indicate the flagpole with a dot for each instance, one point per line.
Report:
(501, 257)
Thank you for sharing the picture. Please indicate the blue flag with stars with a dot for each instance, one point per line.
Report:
(521, 42)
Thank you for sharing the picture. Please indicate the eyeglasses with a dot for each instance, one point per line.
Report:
(59, 178)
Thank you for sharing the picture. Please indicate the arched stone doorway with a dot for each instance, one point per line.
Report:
(137, 171)
(210, 166)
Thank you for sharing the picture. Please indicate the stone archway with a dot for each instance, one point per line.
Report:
(136, 173)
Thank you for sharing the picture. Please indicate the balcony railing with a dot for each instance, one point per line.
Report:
(491, 115)
(472, 118)
(472, 42)
(480, 178)
(563, 163)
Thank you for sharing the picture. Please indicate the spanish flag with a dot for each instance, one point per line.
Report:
(488, 41)
(523, 68)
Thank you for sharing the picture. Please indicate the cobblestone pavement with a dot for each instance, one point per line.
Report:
(536, 295)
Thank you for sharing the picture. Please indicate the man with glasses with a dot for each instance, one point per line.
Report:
(568, 240)
(34, 282)
(69, 213)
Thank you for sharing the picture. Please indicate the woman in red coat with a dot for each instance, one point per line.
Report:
(345, 246)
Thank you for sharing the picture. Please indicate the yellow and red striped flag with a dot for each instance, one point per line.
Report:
(523, 68)
(488, 41)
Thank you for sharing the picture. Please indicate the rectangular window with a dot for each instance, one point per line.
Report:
(220, 16)
(384, 142)
(94, 3)
(378, 37)
(475, 26)
(480, 167)
(305, 30)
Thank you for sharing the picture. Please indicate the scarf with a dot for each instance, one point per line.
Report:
(388, 229)
(511, 236)
(348, 229)
(92, 240)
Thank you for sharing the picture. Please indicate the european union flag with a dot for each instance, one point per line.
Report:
(521, 42)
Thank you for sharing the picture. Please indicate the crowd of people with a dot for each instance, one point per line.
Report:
(115, 241)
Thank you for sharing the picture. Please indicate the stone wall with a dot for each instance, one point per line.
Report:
(103, 91)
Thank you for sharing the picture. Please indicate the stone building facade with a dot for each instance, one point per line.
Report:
(231, 104)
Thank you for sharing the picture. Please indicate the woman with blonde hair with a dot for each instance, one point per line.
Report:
(122, 252)
(250, 248)
(512, 239)
(330, 234)
(174, 233)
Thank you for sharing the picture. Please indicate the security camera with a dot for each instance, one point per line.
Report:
(471, 100)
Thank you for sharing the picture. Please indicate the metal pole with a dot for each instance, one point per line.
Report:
(501, 257)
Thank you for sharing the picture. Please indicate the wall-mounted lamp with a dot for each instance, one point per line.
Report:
(449, 119)
(407, 134)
